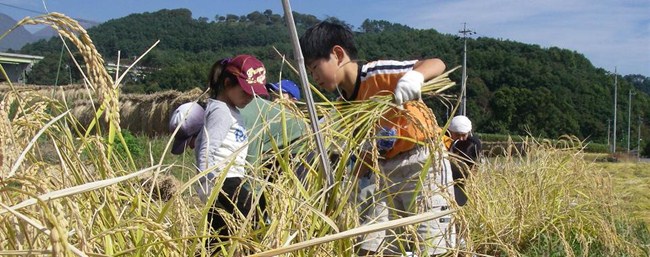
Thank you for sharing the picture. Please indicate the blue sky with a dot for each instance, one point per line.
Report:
(610, 33)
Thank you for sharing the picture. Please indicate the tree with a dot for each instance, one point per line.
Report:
(257, 18)
(639, 82)
(304, 20)
(232, 18)
(376, 26)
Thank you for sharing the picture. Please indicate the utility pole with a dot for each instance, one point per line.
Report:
(614, 125)
(629, 119)
(638, 145)
(463, 106)
(609, 124)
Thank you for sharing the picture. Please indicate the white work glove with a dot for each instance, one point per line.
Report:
(409, 87)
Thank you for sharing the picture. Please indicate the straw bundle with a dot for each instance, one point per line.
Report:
(149, 114)
(145, 114)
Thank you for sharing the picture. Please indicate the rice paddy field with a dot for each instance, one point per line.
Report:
(631, 180)
(79, 183)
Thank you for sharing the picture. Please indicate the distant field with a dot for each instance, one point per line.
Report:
(631, 183)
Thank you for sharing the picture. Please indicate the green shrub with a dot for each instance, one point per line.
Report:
(136, 145)
(596, 148)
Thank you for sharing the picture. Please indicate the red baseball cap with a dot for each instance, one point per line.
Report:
(250, 73)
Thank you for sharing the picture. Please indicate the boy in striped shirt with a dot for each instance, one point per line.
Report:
(330, 56)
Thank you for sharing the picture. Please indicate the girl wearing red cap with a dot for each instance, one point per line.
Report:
(221, 145)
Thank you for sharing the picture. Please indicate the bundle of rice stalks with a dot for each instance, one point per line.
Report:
(142, 114)
(139, 113)
(68, 93)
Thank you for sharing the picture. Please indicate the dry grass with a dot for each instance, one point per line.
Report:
(551, 197)
(82, 204)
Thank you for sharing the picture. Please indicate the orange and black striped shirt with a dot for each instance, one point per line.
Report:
(415, 123)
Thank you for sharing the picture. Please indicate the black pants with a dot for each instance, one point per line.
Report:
(236, 193)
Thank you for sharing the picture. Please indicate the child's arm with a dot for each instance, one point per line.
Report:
(409, 87)
(430, 68)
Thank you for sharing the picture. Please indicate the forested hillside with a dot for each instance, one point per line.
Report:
(512, 87)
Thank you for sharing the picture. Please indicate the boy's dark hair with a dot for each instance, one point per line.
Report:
(318, 40)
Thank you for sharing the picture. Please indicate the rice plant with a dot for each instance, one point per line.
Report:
(86, 201)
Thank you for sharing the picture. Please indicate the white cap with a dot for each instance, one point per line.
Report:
(190, 116)
(460, 124)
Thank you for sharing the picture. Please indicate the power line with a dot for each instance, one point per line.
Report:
(41, 13)
(22, 8)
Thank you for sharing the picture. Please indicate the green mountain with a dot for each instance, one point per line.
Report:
(512, 87)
